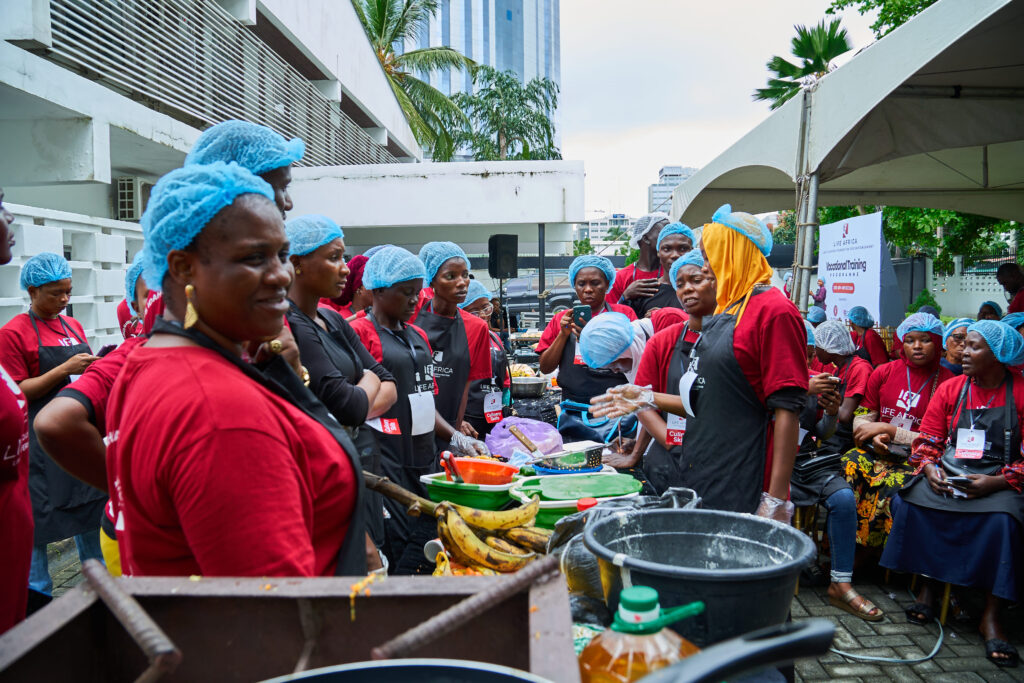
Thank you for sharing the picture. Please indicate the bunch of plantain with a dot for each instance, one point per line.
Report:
(485, 540)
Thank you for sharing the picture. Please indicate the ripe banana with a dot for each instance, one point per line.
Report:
(504, 519)
(530, 537)
(504, 546)
(447, 539)
(479, 552)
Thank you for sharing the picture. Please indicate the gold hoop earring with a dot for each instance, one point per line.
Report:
(191, 316)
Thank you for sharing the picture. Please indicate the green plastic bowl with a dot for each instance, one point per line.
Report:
(553, 510)
(479, 496)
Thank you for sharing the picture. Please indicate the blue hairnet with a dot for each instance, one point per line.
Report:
(44, 268)
(373, 250)
(676, 229)
(604, 338)
(131, 276)
(690, 258)
(644, 225)
(255, 148)
(1014, 320)
(789, 276)
(955, 325)
(310, 232)
(919, 322)
(751, 227)
(475, 292)
(860, 317)
(183, 202)
(816, 315)
(591, 261)
(436, 254)
(995, 307)
(833, 337)
(1006, 344)
(810, 333)
(391, 265)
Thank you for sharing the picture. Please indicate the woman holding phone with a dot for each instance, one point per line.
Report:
(960, 519)
(590, 276)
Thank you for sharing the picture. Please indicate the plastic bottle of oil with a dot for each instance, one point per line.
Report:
(638, 641)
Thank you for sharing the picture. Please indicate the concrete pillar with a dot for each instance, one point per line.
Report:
(330, 88)
(48, 151)
(242, 10)
(26, 23)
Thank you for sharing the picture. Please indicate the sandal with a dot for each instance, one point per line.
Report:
(864, 611)
(920, 614)
(994, 646)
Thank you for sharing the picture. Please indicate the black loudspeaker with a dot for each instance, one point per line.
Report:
(503, 256)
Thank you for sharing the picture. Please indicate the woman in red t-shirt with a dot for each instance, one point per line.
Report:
(897, 395)
(132, 310)
(869, 345)
(214, 469)
(590, 276)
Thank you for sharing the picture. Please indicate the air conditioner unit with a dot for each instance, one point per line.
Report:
(132, 197)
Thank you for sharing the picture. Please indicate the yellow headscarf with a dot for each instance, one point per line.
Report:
(738, 265)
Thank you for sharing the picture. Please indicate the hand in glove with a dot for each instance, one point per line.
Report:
(774, 508)
(624, 399)
(468, 446)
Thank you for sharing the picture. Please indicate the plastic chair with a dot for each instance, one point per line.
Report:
(947, 589)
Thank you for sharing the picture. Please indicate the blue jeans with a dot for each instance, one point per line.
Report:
(39, 579)
(842, 533)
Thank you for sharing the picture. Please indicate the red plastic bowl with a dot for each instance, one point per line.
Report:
(486, 472)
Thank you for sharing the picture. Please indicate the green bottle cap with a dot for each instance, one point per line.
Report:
(639, 599)
(640, 613)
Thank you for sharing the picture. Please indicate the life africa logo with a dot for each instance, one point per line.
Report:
(846, 229)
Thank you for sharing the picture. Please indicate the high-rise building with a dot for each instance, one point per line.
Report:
(606, 225)
(510, 35)
(659, 195)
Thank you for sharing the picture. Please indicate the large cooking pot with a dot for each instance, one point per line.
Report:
(743, 568)
(769, 647)
(528, 387)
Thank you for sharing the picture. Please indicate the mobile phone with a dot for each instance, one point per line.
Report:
(834, 379)
(959, 482)
(581, 315)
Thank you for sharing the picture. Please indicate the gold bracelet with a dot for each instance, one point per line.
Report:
(304, 375)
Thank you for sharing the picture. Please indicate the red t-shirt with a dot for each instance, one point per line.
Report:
(92, 389)
(940, 410)
(327, 303)
(664, 318)
(887, 391)
(657, 356)
(874, 344)
(19, 346)
(231, 480)
(16, 526)
(129, 324)
(1017, 303)
(855, 377)
(624, 277)
(770, 344)
(368, 333)
(555, 324)
(479, 345)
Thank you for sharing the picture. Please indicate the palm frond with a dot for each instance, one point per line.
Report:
(434, 59)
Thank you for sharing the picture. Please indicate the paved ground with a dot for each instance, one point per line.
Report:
(962, 657)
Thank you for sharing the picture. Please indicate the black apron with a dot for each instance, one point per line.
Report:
(665, 297)
(862, 349)
(484, 420)
(62, 506)
(1000, 426)
(405, 456)
(663, 466)
(580, 383)
(277, 377)
(725, 447)
(345, 359)
(450, 351)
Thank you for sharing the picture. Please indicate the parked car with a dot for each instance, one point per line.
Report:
(521, 293)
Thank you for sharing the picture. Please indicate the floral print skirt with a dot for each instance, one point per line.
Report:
(874, 481)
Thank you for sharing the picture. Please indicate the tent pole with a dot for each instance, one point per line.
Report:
(810, 225)
(542, 284)
(798, 219)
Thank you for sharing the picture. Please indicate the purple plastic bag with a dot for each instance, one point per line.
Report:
(502, 443)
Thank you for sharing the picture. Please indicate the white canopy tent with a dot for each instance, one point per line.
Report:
(932, 115)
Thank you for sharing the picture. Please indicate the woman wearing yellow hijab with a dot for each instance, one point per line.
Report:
(747, 377)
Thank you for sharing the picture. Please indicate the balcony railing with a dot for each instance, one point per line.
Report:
(193, 61)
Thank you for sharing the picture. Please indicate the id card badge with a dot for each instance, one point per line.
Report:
(578, 359)
(801, 436)
(902, 421)
(385, 425)
(421, 403)
(970, 444)
(492, 407)
(676, 430)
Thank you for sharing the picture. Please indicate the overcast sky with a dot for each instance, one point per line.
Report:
(652, 83)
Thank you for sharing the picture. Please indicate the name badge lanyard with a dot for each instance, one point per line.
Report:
(970, 400)
(911, 394)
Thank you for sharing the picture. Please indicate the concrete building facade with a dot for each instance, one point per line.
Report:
(659, 194)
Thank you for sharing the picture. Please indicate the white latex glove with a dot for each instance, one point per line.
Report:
(624, 399)
(774, 508)
(468, 446)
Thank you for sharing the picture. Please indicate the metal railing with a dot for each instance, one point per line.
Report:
(193, 61)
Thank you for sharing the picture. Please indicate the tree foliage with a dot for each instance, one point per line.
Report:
(815, 49)
(509, 120)
(434, 118)
(785, 229)
(582, 247)
(891, 13)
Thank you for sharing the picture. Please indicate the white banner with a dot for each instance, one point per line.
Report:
(849, 262)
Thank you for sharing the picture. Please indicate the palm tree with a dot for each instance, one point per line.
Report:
(433, 117)
(816, 48)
